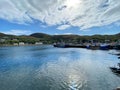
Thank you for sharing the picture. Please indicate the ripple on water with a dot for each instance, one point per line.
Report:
(44, 68)
(63, 75)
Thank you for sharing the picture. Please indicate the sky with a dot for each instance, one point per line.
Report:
(82, 17)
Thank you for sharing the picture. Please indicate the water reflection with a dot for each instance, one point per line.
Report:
(64, 74)
(77, 75)
(51, 68)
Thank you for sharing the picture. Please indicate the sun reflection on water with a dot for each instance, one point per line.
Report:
(57, 69)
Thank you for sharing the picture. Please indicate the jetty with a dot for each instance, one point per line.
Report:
(87, 46)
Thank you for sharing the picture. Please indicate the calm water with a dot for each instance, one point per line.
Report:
(49, 68)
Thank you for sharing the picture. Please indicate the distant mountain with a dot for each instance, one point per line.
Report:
(40, 35)
(45, 38)
(75, 38)
(2, 35)
(10, 39)
(118, 34)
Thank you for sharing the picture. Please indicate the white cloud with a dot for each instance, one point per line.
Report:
(64, 34)
(78, 13)
(63, 27)
(117, 23)
(18, 32)
(68, 34)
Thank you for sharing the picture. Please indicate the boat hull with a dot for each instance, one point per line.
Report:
(117, 47)
(60, 46)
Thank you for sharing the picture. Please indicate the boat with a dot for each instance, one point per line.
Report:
(99, 47)
(59, 45)
(93, 47)
(75, 46)
(64, 45)
(117, 47)
(104, 47)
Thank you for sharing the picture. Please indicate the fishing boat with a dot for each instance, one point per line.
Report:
(104, 47)
(93, 47)
(68, 45)
(59, 45)
(117, 47)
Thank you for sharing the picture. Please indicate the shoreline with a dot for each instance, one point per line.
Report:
(22, 45)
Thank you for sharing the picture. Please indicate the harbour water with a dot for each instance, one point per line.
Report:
(48, 68)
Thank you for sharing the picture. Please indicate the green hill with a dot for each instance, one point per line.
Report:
(76, 38)
(49, 39)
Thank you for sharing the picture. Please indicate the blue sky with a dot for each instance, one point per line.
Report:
(60, 17)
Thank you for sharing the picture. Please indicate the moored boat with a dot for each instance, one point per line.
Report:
(93, 47)
(59, 45)
(117, 47)
(105, 47)
(64, 45)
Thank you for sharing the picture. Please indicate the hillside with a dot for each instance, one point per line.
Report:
(76, 38)
(40, 35)
(49, 39)
(11, 39)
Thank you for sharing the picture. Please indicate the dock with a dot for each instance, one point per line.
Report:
(92, 47)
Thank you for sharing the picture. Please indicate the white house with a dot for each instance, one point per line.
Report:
(38, 43)
(21, 43)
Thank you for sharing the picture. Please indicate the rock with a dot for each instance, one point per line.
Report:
(118, 88)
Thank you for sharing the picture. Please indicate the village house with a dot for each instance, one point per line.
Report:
(38, 43)
(21, 43)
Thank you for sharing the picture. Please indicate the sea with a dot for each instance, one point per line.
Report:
(45, 67)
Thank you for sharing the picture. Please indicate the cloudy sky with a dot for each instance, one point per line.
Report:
(84, 17)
